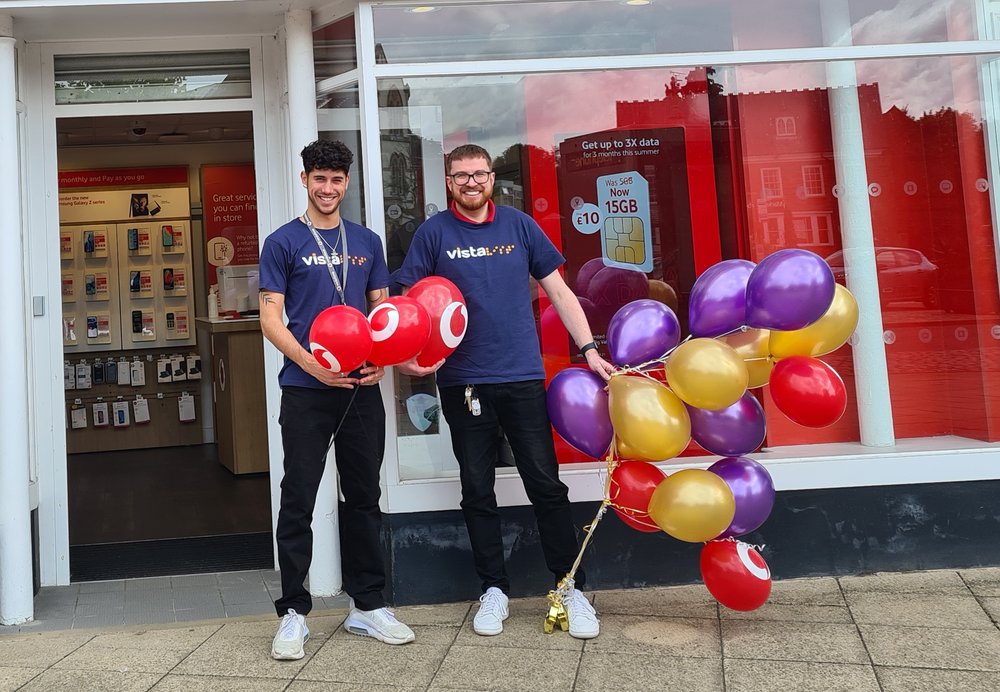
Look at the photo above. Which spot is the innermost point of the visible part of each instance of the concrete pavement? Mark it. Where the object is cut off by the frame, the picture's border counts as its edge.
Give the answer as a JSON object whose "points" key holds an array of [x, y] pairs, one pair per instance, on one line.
{"points": [[896, 631]]}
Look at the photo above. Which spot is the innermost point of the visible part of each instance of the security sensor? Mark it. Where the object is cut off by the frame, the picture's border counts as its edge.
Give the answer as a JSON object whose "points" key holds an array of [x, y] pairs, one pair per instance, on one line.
{"points": [[138, 128]]}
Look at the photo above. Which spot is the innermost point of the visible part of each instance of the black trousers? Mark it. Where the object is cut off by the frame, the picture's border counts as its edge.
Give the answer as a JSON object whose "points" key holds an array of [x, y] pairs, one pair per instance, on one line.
{"points": [[518, 407], [308, 419]]}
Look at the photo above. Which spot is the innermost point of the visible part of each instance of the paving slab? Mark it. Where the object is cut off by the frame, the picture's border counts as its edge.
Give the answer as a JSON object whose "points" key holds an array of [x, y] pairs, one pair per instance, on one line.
{"points": [[817, 591], [793, 641], [992, 607], [781, 676], [680, 637], [681, 601], [102, 586], [931, 680], [918, 610], [938, 582], [217, 683], [449, 614], [363, 660], [641, 673], [505, 670], [311, 686], [174, 638], [38, 650], [923, 647], [92, 681], [785, 612], [11, 677], [982, 581], [92, 656], [237, 657]]}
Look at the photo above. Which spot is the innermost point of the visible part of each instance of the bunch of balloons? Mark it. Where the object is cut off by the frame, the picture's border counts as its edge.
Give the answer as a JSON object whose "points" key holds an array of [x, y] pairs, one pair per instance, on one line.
{"points": [[751, 325], [428, 323]]}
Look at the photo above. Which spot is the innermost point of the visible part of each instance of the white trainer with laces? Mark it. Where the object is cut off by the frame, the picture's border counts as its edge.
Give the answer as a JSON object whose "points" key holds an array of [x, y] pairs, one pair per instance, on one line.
{"points": [[380, 624], [583, 622], [492, 612], [292, 635]]}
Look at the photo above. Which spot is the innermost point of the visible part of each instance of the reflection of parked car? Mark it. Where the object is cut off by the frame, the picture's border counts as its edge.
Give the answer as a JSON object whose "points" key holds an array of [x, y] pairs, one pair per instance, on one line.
{"points": [[904, 274]]}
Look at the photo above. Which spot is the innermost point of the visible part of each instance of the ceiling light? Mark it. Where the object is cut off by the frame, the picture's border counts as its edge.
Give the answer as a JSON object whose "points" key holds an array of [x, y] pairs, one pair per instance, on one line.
{"points": [[420, 9], [637, 3]]}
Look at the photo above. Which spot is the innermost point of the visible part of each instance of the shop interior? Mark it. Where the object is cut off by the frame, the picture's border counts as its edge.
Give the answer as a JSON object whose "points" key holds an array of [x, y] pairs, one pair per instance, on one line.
{"points": [[165, 415]]}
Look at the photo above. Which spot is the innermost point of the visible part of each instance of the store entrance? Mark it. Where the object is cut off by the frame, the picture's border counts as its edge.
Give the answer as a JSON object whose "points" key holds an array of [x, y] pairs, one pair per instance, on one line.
{"points": [[154, 211]]}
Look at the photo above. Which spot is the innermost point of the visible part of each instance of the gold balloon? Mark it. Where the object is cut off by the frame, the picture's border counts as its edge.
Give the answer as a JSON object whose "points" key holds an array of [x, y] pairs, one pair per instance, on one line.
{"points": [[663, 292], [826, 334], [624, 451], [707, 373], [693, 505], [752, 346], [649, 420]]}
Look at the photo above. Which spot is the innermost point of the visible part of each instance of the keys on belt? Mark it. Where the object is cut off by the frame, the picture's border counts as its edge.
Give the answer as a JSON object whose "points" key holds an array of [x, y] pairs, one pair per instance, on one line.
{"points": [[472, 401]]}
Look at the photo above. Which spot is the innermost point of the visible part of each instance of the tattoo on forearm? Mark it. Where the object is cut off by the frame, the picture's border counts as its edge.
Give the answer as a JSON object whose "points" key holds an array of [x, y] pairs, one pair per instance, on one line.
{"points": [[266, 297]]}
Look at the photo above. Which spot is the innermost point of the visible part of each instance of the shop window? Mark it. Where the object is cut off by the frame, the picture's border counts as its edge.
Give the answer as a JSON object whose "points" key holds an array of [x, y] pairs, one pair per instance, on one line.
{"points": [[924, 178], [335, 49], [497, 31], [115, 78]]}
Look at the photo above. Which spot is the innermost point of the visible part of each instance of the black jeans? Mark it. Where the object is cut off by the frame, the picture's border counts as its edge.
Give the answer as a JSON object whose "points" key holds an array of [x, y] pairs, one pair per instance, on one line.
{"points": [[308, 419], [519, 407]]}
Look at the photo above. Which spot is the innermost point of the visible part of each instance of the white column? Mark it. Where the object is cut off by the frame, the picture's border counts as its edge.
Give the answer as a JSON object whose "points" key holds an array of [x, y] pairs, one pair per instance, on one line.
{"points": [[324, 576], [870, 372], [15, 525]]}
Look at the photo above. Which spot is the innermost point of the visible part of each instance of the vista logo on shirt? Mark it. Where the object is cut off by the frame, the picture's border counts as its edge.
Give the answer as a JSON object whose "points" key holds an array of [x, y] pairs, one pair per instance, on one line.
{"points": [[314, 259], [467, 252]]}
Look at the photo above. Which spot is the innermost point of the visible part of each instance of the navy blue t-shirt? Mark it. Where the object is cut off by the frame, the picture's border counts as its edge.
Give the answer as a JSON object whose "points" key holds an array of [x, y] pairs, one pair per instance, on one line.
{"points": [[291, 264], [491, 264]]}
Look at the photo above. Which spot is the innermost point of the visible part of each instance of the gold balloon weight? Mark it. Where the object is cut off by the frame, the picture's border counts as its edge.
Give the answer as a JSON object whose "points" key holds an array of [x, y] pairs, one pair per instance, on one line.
{"points": [[557, 611]]}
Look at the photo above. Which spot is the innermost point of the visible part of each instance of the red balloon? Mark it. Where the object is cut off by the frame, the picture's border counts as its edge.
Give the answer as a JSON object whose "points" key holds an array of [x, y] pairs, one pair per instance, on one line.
{"points": [[449, 317], [400, 329], [632, 484], [735, 574], [340, 338], [808, 391]]}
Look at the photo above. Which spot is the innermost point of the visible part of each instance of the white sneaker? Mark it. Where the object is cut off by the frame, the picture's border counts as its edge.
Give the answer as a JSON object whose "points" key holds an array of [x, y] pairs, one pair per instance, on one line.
{"points": [[583, 622], [292, 634], [492, 612], [380, 624]]}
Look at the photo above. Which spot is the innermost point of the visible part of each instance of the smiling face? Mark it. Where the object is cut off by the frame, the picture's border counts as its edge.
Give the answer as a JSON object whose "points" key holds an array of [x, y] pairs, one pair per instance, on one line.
{"points": [[471, 197], [326, 189]]}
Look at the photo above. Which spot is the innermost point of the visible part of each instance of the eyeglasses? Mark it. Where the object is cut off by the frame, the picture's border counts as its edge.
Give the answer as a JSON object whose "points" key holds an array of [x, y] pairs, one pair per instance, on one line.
{"points": [[463, 178]]}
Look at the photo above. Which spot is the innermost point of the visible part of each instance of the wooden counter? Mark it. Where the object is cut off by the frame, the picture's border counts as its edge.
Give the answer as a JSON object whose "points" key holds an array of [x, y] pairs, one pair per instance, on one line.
{"points": [[238, 389]]}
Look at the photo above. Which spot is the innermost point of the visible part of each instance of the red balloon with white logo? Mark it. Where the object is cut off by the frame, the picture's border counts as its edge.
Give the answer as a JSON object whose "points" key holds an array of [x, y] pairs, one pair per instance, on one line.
{"points": [[736, 574], [400, 330], [449, 317], [340, 338]]}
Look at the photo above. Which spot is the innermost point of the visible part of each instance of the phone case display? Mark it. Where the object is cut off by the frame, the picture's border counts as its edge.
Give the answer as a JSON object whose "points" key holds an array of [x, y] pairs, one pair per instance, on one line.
{"points": [[157, 307], [126, 285], [90, 314]]}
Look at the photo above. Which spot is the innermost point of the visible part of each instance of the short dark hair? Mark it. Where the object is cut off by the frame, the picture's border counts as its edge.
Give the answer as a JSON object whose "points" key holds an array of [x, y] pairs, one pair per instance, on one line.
{"points": [[327, 155], [469, 151]]}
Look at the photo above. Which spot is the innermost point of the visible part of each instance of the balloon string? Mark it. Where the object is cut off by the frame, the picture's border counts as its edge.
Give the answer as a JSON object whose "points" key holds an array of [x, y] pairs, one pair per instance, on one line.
{"points": [[758, 547]]}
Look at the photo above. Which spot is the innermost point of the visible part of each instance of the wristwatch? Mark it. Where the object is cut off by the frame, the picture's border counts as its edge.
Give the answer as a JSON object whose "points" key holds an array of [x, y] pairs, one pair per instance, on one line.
{"points": [[587, 347]]}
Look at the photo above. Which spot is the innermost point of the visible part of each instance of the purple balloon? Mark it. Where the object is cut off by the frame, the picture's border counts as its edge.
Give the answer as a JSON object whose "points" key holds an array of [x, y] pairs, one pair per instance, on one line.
{"points": [[752, 489], [717, 304], [789, 289], [732, 431], [641, 331], [613, 287], [583, 277], [578, 409]]}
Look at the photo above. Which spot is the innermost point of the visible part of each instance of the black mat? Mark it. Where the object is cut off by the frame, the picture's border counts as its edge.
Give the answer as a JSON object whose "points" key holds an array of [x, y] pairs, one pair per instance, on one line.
{"points": [[170, 557]]}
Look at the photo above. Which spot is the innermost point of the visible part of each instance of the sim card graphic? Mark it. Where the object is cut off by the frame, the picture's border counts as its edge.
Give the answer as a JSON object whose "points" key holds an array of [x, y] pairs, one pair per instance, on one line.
{"points": [[626, 234]]}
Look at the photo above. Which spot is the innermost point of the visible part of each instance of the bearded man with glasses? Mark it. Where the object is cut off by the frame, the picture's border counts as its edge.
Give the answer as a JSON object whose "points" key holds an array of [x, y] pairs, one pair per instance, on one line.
{"points": [[495, 378]]}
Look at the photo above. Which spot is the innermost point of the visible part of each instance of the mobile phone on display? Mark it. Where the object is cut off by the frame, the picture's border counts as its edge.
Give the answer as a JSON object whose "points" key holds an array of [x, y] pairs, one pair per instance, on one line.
{"points": [[98, 372], [168, 279], [90, 284], [133, 281], [168, 235], [170, 320], [88, 241], [137, 321], [111, 372], [91, 327], [133, 239]]}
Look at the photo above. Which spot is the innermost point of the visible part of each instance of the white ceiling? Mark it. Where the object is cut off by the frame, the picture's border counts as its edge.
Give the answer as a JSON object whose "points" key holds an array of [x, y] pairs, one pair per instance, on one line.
{"points": [[182, 128]]}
